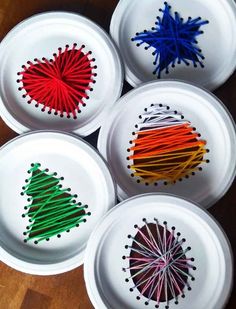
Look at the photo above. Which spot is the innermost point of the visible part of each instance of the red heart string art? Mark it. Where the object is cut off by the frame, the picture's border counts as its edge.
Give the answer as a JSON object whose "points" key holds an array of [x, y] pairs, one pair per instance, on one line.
{"points": [[59, 84]]}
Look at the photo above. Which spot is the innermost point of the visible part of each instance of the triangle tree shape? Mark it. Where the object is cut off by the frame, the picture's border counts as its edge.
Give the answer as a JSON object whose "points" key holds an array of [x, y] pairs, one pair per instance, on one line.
{"points": [[52, 210]]}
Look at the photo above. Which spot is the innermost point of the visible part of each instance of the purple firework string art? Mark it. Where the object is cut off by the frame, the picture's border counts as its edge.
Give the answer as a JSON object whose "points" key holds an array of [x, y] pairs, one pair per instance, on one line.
{"points": [[174, 41], [158, 264]]}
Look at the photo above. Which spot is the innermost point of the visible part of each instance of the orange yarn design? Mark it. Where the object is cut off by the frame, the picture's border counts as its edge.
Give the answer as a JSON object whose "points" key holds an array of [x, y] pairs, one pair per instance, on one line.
{"points": [[166, 147]]}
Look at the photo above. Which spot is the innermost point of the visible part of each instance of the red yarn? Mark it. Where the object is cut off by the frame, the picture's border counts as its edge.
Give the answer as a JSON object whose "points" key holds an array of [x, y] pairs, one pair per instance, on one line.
{"points": [[59, 84]]}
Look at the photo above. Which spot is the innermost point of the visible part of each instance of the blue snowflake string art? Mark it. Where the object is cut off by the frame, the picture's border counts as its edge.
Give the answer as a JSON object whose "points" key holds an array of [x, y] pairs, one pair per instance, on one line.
{"points": [[174, 41]]}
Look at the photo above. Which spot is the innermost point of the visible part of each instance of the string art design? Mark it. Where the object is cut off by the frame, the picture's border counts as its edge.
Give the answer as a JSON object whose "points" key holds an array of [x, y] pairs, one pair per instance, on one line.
{"points": [[59, 84], [158, 264], [173, 40], [52, 210], [166, 147]]}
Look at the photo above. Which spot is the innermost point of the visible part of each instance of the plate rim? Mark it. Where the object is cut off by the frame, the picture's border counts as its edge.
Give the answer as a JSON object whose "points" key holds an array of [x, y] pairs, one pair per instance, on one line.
{"points": [[18, 126], [197, 209], [103, 133], [78, 259], [131, 78]]}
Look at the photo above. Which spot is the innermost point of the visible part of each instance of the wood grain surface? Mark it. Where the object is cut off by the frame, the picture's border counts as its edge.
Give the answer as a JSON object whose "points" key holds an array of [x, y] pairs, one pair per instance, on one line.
{"points": [[18, 290]]}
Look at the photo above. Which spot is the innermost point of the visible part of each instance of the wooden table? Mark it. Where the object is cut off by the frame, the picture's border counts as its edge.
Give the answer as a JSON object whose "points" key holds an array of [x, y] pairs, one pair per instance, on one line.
{"points": [[18, 290]]}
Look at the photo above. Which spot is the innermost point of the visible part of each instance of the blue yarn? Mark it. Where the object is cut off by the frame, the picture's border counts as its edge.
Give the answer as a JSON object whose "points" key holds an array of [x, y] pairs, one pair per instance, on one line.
{"points": [[174, 41]]}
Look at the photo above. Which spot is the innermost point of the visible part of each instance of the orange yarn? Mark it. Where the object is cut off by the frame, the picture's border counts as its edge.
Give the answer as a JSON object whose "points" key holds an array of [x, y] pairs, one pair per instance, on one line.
{"points": [[166, 153]]}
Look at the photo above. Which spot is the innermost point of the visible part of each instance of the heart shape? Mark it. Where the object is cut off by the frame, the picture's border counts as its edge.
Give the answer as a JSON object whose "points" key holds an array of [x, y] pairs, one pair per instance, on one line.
{"points": [[158, 263], [59, 84], [166, 147]]}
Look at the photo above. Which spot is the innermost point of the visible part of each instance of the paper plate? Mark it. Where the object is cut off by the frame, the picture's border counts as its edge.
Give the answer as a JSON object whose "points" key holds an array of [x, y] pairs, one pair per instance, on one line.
{"points": [[41, 36], [206, 183], [131, 17], [80, 166], [185, 230]]}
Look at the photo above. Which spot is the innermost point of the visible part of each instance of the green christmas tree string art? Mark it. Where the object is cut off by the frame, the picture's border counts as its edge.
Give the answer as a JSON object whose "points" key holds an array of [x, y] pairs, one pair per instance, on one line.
{"points": [[52, 209]]}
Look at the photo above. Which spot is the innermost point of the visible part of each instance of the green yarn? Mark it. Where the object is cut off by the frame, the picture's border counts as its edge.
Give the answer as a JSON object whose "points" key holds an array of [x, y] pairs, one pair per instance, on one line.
{"points": [[52, 210]]}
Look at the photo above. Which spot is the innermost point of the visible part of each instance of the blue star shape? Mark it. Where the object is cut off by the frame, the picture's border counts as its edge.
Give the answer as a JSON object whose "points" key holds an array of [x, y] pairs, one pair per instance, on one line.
{"points": [[173, 40]]}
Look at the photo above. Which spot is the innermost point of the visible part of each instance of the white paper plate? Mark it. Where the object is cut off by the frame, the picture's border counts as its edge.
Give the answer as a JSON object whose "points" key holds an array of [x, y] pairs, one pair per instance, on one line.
{"points": [[205, 112], [218, 48], [106, 282], [41, 36], [84, 171]]}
